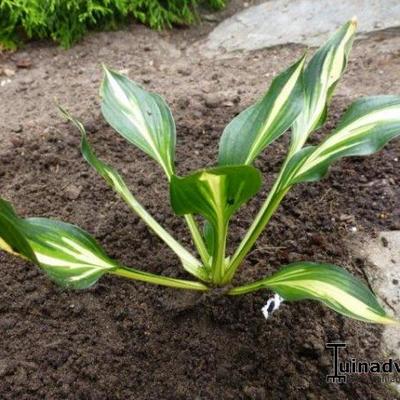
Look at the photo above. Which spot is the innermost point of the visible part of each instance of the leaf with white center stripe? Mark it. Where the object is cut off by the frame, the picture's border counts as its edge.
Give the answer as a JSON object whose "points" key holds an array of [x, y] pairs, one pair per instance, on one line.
{"points": [[215, 193], [141, 117], [320, 78], [116, 182], [69, 255], [255, 128], [329, 284], [365, 128]]}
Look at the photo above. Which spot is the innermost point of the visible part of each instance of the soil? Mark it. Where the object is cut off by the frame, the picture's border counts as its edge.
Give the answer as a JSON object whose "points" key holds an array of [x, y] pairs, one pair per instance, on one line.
{"points": [[127, 340]]}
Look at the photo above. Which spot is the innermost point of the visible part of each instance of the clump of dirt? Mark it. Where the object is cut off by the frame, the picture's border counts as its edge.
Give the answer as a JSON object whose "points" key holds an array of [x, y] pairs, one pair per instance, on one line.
{"points": [[128, 340]]}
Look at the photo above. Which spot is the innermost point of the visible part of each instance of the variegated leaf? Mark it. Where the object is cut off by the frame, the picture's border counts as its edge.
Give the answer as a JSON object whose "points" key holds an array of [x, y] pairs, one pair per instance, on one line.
{"points": [[320, 78], [214, 193], [145, 120], [70, 256], [116, 182], [11, 239], [142, 118], [365, 128], [255, 128], [329, 284]]}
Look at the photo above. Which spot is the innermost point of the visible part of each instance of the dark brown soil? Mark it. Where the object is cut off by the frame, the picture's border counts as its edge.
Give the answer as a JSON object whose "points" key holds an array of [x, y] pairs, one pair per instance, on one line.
{"points": [[127, 340]]}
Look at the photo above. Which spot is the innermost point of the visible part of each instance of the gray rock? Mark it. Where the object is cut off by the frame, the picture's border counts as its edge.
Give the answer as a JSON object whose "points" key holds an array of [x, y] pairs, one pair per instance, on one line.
{"points": [[383, 253], [308, 22]]}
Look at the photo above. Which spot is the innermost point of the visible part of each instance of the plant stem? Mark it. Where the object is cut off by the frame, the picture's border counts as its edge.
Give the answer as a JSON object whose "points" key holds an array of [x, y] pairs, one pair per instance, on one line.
{"points": [[218, 260], [270, 205], [196, 235], [135, 274], [189, 262], [198, 240], [250, 287], [264, 215]]}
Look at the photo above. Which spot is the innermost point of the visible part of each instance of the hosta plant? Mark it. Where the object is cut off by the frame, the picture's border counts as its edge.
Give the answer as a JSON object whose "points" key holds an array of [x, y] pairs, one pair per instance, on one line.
{"points": [[297, 100]]}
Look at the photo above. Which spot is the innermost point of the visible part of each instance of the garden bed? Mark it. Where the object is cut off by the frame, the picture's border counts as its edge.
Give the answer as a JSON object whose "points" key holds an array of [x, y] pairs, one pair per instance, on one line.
{"points": [[127, 340]]}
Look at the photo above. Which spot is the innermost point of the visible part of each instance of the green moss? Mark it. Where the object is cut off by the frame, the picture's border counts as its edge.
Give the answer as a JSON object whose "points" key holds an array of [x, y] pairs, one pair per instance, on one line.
{"points": [[66, 21]]}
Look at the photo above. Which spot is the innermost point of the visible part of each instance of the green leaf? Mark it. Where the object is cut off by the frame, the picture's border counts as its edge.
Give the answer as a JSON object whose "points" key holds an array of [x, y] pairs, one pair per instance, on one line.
{"points": [[365, 128], [214, 193], [70, 256], [255, 128], [11, 239], [116, 182], [329, 284], [142, 118], [320, 78]]}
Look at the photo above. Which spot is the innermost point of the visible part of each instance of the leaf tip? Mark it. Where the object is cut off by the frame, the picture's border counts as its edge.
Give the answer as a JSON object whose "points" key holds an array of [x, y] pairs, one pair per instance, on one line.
{"points": [[106, 76], [354, 21]]}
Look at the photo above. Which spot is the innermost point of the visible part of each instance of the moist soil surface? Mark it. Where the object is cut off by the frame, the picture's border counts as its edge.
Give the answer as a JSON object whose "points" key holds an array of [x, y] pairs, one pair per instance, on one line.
{"points": [[127, 340]]}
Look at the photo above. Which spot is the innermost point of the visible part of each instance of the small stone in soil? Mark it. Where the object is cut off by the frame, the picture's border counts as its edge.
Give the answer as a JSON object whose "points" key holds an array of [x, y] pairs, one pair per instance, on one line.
{"points": [[16, 128], [7, 72], [257, 393], [4, 369], [17, 141], [184, 71], [72, 192], [24, 62], [212, 100]]}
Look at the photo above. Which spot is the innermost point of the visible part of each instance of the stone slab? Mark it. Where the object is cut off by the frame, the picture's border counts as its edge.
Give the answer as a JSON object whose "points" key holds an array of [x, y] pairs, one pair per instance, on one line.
{"points": [[383, 254], [307, 22]]}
